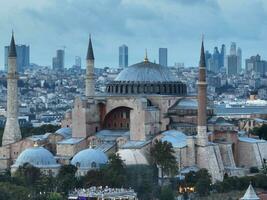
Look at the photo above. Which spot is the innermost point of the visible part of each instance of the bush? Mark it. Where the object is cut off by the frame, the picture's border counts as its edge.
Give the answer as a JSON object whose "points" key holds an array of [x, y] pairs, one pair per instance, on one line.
{"points": [[254, 170]]}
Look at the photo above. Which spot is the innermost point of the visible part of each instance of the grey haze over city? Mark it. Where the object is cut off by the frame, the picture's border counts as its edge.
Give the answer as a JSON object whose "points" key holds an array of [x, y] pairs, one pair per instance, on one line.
{"points": [[47, 25]]}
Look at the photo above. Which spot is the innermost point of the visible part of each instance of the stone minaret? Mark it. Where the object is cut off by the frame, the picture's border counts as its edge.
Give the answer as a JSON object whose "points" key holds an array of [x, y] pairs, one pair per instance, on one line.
{"points": [[202, 101], [12, 131], [90, 77]]}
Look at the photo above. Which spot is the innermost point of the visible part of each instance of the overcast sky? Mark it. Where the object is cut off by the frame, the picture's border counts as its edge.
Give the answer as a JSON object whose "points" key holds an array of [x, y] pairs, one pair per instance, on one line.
{"points": [[47, 25]]}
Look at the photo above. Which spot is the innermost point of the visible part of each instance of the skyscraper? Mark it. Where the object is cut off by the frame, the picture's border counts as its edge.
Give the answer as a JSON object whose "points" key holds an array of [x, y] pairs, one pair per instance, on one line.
{"points": [[234, 60], [163, 57], [232, 65], [216, 60], [239, 59], [222, 56], [58, 61], [233, 48], [78, 62], [23, 57], [123, 56]]}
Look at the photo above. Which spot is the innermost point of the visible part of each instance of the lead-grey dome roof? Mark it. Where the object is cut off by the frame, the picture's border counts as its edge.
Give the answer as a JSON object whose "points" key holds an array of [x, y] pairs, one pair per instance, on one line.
{"points": [[38, 157], [146, 71], [89, 158]]}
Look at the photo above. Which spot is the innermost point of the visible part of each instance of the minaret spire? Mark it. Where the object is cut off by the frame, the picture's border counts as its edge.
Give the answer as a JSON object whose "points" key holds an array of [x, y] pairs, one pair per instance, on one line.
{"points": [[90, 52], [12, 131], [12, 47], [202, 100], [90, 77]]}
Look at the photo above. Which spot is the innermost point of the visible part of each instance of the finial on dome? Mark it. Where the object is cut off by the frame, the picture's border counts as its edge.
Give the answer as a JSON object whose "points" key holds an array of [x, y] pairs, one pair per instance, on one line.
{"points": [[146, 59], [35, 144]]}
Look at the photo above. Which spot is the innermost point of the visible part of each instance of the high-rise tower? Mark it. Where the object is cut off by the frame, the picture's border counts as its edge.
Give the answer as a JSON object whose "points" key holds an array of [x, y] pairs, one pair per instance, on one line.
{"points": [[202, 101], [90, 77], [12, 131], [163, 57], [123, 56]]}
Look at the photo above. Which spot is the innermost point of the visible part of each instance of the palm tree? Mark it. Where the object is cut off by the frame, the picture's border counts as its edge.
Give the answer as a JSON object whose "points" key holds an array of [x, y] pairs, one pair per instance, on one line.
{"points": [[162, 155]]}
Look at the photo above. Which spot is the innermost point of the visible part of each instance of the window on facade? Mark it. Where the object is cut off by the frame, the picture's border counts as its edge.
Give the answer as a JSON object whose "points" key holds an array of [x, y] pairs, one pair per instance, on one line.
{"points": [[93, 165], [78, 164], [124, 115]]}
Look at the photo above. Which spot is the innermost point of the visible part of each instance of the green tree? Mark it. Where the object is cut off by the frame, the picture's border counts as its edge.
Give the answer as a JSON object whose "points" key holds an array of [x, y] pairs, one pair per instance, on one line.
{"points": [[54, 196], [261, 131], [166, 193], [203, 184], [115, 172], [27, 175], [11, 191], [94, 178], [162, 155], [141, 179], [66, 179]]}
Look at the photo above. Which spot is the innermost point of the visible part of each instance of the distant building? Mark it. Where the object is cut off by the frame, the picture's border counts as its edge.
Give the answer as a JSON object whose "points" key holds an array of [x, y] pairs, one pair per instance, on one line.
{"points": [[233, 48], [58, 61], [163, 57], [239, 60], [255, 64], [222, 56], [123, 56], [23, 57], [234, 60], [232, 65], [78, 62], [215, 61]]}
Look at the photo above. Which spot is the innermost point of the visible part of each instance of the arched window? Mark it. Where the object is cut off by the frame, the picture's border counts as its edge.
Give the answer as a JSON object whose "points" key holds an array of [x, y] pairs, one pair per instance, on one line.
{"points": [[93, 165], [78, 164]]}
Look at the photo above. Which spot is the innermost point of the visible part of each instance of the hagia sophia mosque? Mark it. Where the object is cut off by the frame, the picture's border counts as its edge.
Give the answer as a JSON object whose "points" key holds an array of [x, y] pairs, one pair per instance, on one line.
{"points": [[144, 103]]}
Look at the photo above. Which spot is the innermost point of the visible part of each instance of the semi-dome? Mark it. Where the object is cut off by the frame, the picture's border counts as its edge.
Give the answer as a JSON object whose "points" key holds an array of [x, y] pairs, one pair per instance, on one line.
{"points": [[146, 78], [146, 71], [89, 158], [36, 156], [132, 157]]}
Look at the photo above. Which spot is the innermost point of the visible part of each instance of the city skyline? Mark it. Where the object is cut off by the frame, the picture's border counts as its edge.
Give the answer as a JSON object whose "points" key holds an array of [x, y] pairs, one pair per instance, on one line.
{"points": [[47, 29]]}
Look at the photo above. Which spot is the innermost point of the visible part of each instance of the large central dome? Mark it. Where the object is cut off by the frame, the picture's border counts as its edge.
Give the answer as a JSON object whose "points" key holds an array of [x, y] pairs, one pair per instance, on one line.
{"points": [[146, 71], [146, 78]]}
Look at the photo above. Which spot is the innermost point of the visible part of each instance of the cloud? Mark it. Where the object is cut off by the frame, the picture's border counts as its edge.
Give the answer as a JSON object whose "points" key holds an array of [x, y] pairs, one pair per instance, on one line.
{"points": [[177, 24]]}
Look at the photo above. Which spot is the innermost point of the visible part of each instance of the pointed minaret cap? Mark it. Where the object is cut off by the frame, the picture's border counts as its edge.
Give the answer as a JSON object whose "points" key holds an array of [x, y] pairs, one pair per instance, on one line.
{"points": [[202, 62], [12, 47], [250, 194], [90, 52]]}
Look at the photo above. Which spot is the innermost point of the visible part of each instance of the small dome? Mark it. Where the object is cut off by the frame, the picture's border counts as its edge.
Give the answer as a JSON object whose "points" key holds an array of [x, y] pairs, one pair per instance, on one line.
{"points": [[176, 138], [89, 158], [146, 71], [132, 157], [65, 132], [36, 156]]}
